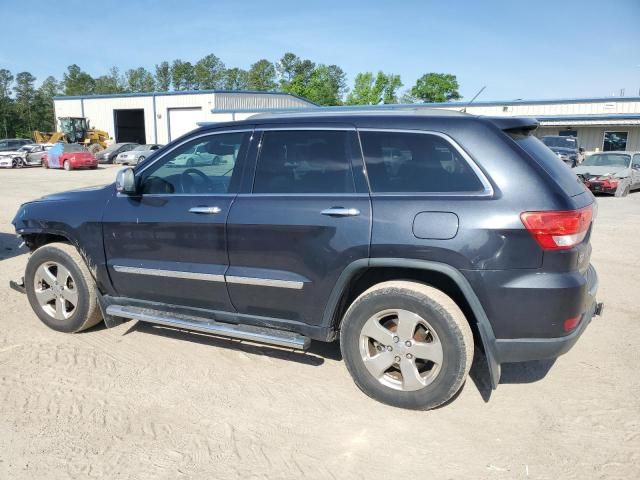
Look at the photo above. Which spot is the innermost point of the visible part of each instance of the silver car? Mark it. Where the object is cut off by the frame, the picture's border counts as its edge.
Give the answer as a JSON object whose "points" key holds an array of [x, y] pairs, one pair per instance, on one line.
{"points": [[26, 156], [138, 154], [616, 173]]}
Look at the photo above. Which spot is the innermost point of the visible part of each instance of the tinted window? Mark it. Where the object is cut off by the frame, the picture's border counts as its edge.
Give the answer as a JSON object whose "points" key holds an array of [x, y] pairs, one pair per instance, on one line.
{"points": [[614, 141], [305, 161], [203, 165], [550, 162], [74, 147], [415, 162]]}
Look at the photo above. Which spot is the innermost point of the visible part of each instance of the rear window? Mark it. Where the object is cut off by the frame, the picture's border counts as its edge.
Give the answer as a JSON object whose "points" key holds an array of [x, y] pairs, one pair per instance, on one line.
{"points": [[403, 162], [550, 162], [74, 147]]}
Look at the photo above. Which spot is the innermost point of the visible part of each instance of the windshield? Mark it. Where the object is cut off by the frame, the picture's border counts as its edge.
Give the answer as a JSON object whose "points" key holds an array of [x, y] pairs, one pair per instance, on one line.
{"points": [[607, 160], [562, 142], [73, 147], [143, 147], [114, 147]]}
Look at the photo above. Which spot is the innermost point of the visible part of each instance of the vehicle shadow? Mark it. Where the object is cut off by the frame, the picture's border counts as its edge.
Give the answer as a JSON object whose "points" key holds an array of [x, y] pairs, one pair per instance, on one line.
{"points": [[314, 356], [523, 372], [10, 246]]}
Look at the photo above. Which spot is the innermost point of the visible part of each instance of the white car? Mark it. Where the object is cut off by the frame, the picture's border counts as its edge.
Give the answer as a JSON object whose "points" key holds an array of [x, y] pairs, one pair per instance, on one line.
{"points": [[137, 155], [26, 156]]}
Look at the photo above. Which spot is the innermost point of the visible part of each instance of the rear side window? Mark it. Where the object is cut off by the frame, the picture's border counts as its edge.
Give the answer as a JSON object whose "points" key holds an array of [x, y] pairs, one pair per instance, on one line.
{"points": [[550, 162], [403, 162], [305, 161]]}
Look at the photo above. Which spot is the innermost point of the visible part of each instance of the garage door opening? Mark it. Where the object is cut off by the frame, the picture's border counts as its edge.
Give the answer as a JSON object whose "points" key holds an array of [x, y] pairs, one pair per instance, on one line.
{"points": [[129, 126], [182, 120]]}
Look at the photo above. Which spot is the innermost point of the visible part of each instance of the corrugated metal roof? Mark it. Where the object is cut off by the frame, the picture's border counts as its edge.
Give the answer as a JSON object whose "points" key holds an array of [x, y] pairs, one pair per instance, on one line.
{"points": [[185, 92], [538, 101]]}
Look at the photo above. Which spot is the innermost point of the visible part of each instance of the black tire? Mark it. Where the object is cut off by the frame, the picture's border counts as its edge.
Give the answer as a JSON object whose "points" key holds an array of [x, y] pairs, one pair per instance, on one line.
{"points": [[140, 159], [443, 316], [87, 312]]}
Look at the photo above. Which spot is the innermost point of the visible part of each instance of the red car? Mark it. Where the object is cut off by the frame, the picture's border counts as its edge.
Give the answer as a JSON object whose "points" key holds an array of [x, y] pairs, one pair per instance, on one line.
{"points": [[69, 156]]}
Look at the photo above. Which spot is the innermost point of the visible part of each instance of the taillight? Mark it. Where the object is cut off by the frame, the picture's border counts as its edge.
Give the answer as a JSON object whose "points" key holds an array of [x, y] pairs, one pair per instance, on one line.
{"points": [[558, 230]]}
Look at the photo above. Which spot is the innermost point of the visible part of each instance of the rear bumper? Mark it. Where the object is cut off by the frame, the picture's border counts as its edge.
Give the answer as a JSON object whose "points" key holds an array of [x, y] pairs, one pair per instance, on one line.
{"points": [[527, 349]]}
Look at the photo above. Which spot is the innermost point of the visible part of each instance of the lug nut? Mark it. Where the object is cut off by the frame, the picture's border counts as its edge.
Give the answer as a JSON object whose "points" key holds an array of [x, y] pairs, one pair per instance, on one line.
{"points": [[389, 348], [407, 343], [409, 356], [380, 348], [397, 359], [396, 339]]}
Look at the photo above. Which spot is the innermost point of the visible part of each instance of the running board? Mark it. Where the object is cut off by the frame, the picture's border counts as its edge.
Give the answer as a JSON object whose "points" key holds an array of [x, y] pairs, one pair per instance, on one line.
{"points": [[199, 324]]}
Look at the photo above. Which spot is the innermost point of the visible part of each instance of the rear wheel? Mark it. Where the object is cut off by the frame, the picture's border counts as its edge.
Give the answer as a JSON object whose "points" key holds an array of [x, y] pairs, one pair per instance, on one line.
{"points": [[407, 344], [60, 288]]}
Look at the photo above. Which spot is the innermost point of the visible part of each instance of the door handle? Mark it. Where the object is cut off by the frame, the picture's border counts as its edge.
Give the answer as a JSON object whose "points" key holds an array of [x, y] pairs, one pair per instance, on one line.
{"points": [[340, 212], [205, 210]]}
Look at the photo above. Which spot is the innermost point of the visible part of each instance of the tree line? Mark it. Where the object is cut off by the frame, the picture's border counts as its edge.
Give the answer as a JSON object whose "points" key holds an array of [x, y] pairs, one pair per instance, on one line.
{"points": [[24, 108]]}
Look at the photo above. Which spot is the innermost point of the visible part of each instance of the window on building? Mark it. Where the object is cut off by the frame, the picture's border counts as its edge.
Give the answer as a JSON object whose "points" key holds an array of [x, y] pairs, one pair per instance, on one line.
{"points": [[615, 141], [415, 162], [305, 161], [568, 133]]}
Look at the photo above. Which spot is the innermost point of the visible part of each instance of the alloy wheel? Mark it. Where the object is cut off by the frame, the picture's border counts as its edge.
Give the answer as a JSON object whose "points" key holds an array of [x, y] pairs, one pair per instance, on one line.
{"points": [[55, 290], [401, 350]]}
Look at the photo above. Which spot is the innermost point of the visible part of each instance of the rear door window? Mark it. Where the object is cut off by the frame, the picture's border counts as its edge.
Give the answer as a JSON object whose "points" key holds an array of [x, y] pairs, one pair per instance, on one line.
{"points": [[305, 161], [550, 162], [404, 162]]}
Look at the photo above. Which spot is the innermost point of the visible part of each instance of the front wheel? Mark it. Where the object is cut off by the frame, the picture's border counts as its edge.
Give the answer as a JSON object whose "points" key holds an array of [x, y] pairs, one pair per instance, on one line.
{"points": [[407, 345], [60, 288], [66, 165]]}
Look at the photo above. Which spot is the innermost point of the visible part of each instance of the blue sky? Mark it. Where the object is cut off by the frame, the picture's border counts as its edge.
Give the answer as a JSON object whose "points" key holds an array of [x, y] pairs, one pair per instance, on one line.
{"points": [[540, 49]]}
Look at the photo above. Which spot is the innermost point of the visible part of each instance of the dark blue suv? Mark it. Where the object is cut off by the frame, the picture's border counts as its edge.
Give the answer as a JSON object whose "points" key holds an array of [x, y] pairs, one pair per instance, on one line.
{"points": [[411, 237]]}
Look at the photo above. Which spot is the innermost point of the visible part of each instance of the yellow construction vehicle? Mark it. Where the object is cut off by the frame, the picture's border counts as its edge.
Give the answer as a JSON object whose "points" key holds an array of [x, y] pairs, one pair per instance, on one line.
{"points": [[75, 130]]}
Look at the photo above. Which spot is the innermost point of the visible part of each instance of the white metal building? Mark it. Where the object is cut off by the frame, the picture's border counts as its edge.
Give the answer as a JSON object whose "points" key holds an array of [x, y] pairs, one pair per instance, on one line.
{"points": [[161, 117], [609, 123]]}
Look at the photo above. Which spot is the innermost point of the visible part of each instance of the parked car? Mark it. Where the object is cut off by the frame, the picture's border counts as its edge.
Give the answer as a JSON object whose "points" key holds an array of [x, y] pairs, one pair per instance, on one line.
{"points": [[137, 155], [403, 236], [70, 156], [615, 173], [109, 154], [566, 148], [196, 156], [12, 144]]}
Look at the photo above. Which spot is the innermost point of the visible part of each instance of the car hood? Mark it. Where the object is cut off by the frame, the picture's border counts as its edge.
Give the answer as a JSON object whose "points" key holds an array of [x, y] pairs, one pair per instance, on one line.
{"points": [[10, 153], [563, 150], [77, 194], [611, 171]]}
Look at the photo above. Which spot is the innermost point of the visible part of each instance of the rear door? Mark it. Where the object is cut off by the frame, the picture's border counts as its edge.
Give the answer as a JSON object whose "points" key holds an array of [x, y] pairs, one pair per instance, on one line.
{"points": [[169, 243], [635, 171], [301, 221]]}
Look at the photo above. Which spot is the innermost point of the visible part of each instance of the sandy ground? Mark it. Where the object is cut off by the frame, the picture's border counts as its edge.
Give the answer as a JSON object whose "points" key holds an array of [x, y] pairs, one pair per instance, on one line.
{"points": [[146, 402]]}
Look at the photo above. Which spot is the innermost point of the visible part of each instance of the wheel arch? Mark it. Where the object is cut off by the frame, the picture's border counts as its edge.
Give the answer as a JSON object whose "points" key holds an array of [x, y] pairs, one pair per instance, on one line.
{"points": [[364, 273]]}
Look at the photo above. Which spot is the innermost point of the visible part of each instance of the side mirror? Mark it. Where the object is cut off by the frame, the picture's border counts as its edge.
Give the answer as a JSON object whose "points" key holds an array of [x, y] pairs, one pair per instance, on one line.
{"points": [[126, 181]]}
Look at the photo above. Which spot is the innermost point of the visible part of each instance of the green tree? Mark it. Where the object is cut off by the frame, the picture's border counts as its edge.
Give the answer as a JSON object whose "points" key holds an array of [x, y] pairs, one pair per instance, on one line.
{"points": [[182, 75], [77, 82], [25, 93], [139, 80], [436, 87], [235, 79], [326, 85], [294, 73], [163, 77], [209, 73], [43, 111], [262, 76], [370, 90], [7, 111], [110, 83]]}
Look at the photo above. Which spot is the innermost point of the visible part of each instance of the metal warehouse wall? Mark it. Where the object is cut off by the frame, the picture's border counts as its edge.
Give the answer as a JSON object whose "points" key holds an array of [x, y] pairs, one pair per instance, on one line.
{"points": [[247, 101], [591, 138]]}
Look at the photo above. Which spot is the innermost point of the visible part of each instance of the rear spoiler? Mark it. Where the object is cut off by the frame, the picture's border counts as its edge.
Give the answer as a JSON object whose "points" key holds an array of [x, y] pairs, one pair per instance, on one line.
{"points": [[515, 125]]}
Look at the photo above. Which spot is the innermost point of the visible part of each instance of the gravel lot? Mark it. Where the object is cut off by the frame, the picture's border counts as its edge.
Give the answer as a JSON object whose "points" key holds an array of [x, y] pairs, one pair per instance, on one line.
{"points": [[146, 402]]}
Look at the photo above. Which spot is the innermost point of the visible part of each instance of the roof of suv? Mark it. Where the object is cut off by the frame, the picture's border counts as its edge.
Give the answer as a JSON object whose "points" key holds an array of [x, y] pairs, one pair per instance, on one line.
{"points": [[407, 115]]}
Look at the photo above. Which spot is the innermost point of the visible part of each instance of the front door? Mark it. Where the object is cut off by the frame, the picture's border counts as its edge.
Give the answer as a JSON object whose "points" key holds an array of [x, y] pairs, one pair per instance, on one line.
{"points": [[635, 171], [169, 244], [297, 227]]}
